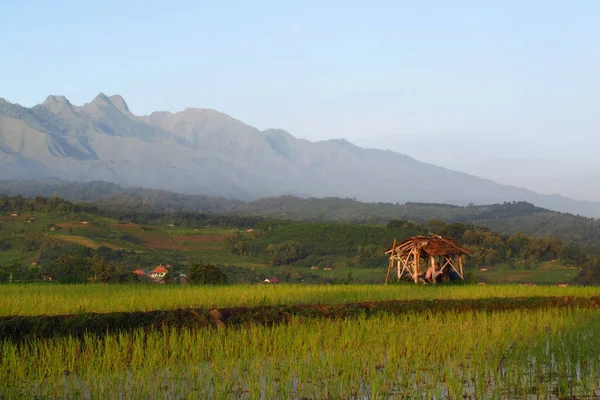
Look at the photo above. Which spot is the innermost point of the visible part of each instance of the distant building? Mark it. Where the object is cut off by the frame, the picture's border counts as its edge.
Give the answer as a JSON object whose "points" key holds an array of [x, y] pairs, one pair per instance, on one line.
{"points": [[158, 272], [46, 277], [139, 272], [271, 280]]}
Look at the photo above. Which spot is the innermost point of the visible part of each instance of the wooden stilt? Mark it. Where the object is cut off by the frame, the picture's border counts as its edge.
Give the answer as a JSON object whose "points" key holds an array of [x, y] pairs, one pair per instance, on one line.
{"points": [[387, 276], [417, 259]]}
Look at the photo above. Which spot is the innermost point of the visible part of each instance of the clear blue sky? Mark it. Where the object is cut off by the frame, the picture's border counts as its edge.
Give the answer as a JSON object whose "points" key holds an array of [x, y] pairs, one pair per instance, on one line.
{"points": [[508, 90]]}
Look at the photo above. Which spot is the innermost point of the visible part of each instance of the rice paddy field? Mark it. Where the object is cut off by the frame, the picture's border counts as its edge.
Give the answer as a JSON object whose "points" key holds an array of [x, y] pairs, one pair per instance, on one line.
{"points": [[548, 353], [541, 354], [53, 299]]}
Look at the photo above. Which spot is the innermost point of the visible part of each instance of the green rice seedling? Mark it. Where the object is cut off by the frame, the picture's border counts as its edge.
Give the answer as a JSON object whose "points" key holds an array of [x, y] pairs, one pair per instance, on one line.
{"points": [[50, 299], [510, 354]]}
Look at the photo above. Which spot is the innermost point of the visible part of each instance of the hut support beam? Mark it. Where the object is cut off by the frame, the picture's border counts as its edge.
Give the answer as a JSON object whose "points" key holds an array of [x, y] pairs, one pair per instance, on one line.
{"points": [[387, 276]]}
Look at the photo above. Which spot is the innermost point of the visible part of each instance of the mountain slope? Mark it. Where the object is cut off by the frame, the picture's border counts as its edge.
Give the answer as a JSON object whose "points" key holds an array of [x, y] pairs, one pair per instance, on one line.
{"points": [[202, 151]]}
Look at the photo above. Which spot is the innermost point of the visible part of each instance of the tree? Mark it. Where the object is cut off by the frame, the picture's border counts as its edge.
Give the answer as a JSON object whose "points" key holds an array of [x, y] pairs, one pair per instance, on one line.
{"points": [[207, 274], [101, 268], [436, 225], [70, 269], [286, 253]]}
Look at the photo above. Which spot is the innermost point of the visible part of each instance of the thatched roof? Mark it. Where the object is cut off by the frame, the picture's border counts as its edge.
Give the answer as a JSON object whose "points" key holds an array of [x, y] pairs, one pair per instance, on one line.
{"points": [[430, 246]]}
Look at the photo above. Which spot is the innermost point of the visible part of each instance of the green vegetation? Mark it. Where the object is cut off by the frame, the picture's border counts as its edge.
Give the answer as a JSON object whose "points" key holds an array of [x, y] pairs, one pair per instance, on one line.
{"points": [[506, 218], [49, 299], [34, 244], [207, 274], [217, 340], [451, 355]]}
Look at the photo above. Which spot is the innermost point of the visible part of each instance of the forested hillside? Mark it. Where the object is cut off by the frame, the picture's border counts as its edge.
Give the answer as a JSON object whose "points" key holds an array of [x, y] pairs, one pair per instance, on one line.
{"points": [[506, 218], [53, 236]]}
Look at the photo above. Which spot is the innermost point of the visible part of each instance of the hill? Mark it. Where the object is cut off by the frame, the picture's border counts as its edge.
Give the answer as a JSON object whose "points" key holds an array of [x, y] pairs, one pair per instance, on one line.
{"points": [[67, 240], [202, 151], [505, 218]]}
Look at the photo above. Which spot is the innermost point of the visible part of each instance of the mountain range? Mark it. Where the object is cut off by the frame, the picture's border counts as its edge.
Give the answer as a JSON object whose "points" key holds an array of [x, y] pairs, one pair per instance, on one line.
{"points": [[202, 151]]}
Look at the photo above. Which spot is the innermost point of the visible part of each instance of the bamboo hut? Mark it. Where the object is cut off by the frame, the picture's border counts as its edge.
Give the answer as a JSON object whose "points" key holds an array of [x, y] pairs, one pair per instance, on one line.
{"points": [[427, 259]]}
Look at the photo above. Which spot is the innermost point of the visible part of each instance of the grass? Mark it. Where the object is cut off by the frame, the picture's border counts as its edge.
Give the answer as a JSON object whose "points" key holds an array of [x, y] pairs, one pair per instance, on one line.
{"points": [[53, 299], [544, 273], [83, 241], [535, 354]]}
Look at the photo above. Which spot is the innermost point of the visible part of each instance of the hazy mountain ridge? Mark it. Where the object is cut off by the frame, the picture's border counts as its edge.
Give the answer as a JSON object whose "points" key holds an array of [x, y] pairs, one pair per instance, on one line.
{"points": [[200, 151]]}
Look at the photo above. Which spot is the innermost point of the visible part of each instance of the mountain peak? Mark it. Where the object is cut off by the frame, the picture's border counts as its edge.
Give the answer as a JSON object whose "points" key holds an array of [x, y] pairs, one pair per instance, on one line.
{"points": [[101, 99], [56, 100], [57, 104], [119, 102], [3, 100]]}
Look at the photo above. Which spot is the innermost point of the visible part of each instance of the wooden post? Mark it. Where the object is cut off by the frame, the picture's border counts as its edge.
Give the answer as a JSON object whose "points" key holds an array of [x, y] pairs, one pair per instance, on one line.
{"points": [[387, 276], [391, 261], [460, 265], [417, 259]]}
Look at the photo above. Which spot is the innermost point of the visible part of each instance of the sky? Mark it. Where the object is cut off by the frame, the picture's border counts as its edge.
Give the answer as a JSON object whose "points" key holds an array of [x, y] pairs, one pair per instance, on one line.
{"points": [[506, 90]]}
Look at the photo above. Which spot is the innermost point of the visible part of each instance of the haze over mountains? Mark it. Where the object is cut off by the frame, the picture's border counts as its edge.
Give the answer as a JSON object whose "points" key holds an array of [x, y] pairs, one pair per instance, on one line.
{"points": [[200, 151]]}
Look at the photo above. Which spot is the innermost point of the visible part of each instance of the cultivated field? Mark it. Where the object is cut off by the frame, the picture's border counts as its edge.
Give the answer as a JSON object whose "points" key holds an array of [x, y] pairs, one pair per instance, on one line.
{"points": [[547, 353], [484, 350], [52, 299]]}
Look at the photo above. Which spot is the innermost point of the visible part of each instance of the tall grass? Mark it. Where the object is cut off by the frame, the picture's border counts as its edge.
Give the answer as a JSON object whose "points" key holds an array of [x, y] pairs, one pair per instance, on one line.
{"points": [[50, 299], [536, 354]]}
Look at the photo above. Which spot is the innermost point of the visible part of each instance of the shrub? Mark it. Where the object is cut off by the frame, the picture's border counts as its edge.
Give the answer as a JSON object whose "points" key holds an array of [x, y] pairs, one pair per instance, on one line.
{"points": [[207, 274]]}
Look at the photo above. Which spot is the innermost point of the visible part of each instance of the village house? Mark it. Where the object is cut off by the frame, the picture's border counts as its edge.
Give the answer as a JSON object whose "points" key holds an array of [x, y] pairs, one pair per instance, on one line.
{"points": [[139, 272], [271, 280], [158, 272]]}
